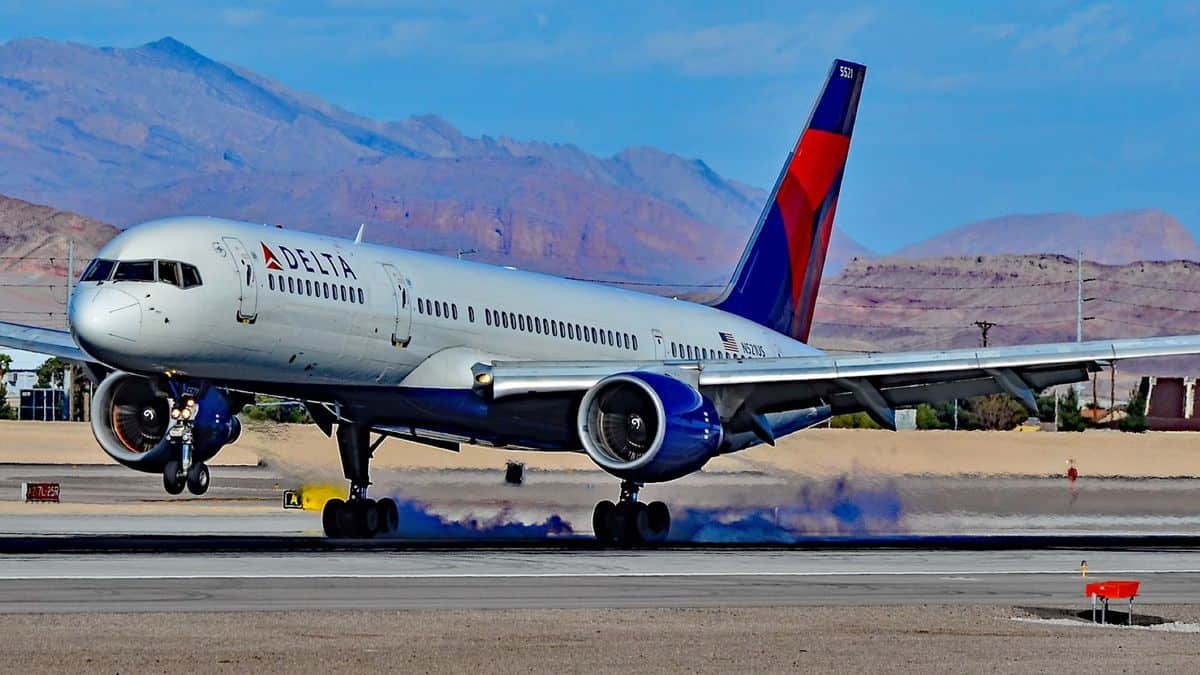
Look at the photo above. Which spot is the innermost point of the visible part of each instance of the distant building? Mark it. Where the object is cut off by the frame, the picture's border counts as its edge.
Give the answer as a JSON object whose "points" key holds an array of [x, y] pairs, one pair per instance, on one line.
{"points": [[1170, 403], [14, 381], [29, 401]]}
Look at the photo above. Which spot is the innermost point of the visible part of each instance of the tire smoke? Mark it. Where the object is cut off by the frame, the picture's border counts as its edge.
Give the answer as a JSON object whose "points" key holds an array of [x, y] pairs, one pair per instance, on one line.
{"points": [[838, 508], [418, 522]]}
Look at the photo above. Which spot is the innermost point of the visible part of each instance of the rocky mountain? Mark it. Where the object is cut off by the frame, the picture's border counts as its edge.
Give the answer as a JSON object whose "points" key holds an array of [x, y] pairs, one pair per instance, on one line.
{"points": [[34, 242], [132, 134], [1112, 238], [34, 239]]}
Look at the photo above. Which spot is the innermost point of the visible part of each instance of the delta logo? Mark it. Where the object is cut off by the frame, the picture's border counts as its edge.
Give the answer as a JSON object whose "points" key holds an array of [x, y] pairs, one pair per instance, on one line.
{"points": [[314, 262]]}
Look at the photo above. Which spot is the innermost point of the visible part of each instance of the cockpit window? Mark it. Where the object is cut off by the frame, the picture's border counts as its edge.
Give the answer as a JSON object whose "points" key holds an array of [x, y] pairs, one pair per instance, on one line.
{"points": [[99, 270], [138, 270], [168, 272], [191, 275]]}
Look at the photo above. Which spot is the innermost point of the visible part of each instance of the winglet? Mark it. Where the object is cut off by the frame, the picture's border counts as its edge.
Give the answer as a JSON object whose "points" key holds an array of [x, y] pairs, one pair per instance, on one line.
{"points": [[358, 237]]}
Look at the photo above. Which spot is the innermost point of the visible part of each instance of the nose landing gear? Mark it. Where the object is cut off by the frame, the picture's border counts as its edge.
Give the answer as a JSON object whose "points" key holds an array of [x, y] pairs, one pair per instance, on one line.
{"points": [[358, 516], [183, 472], [630, 522]]}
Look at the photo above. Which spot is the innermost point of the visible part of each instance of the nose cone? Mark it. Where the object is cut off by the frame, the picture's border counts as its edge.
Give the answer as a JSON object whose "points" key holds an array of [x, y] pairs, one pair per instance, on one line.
{"points": [[106, 323]]}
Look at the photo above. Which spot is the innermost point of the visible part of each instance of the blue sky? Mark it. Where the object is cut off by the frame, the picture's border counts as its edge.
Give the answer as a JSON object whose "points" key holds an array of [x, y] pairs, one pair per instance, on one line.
{"points": [[971, 110]]}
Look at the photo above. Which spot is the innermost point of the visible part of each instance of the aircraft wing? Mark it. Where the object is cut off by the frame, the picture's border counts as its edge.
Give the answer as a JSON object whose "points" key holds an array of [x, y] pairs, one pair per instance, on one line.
{"points": [[42, 340], [875, 383]]}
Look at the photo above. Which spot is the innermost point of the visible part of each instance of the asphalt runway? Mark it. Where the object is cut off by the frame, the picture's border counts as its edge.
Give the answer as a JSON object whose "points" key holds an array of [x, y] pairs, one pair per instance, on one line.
{"points": [[516, 578], [707, 507]]}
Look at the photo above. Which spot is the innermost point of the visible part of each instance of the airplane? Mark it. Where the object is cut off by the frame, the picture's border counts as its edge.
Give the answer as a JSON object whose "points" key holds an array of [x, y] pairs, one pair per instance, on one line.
{"points": [[183, 320]]}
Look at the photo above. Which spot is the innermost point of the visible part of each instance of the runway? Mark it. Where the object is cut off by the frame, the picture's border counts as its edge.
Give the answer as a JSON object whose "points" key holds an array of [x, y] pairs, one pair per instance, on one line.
{"points": [[547, 578]]}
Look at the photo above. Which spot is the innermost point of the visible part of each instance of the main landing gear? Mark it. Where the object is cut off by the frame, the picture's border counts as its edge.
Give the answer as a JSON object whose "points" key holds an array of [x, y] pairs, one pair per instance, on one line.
{"points": [[630, 522], [358, 516], [183, 472]]}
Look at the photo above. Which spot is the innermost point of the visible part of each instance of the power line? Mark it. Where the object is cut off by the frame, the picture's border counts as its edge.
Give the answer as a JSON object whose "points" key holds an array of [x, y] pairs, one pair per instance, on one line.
{"points": [[1149, 287], [923, 308], [1032, 284], [1151, 307]]}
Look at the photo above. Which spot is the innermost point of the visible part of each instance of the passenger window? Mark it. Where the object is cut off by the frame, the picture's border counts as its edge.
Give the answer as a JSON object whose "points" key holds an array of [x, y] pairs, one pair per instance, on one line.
{"points": [[673, 352], [437, 309], [270, 279], [504, 319], [487, 315], [325, 290], [168, 272], [307, 287], [593, 331], [99, 270], [291, 285], [142, 270], [554, 329], [611, 340], [571, 331], [521, 321], [454, 312], [635, 343], [562, 329], [361, 299], [470, 314]]}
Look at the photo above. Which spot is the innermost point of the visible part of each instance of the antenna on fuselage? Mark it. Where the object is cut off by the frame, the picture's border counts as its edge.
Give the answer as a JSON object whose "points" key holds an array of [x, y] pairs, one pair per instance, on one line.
{"points": [[358, 237]]}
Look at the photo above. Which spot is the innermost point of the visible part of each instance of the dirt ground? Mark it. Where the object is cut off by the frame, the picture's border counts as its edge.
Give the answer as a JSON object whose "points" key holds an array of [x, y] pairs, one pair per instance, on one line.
{"points": [[923, 639], [817, 452]]}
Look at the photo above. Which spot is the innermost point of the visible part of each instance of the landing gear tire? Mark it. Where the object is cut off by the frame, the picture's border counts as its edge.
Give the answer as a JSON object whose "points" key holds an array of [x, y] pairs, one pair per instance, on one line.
{"points": [[197, 479], [389, 516], [358, 518], [329, 517], [366, 517], [631, 523], [344, 522], [600, 526], [173, 482], [652, 522]]}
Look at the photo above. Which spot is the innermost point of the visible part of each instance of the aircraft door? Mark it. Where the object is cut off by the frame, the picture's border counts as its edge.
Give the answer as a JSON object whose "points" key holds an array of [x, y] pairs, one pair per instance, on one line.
{"points": [[402, 330], [660, 352], [247, 280]]}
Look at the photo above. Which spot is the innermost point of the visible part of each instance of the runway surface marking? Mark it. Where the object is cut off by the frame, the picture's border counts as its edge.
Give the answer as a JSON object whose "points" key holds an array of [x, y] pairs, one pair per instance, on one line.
{"points": [[947, 575]]}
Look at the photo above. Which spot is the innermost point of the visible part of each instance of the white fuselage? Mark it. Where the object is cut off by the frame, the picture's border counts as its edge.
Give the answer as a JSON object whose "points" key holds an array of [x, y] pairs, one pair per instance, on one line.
{"points": [[285, 320]]}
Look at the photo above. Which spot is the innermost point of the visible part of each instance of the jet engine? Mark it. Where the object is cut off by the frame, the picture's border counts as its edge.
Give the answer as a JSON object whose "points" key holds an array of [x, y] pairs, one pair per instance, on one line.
{"points": [[132, 422], [647, 427]]}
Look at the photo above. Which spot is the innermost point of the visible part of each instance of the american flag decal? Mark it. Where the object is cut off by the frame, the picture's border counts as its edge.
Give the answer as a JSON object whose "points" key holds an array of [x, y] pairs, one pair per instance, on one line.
{"points": [[727, 339]]}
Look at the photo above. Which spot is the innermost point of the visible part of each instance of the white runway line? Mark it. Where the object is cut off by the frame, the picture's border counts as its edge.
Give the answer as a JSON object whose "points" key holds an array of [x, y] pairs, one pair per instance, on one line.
{"points": [[572, 575]]}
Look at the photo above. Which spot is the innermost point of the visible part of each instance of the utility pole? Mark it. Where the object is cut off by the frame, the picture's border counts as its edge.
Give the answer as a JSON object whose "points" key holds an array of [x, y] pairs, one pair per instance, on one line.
{"points": [[1079, 299], [984, 327], [1112, 389], [1079, 296], [70, 268]]}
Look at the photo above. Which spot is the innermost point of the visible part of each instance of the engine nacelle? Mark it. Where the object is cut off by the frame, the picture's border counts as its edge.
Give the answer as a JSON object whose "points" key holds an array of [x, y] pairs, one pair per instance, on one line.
{"points": [[131, 419], [648, 427]]}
